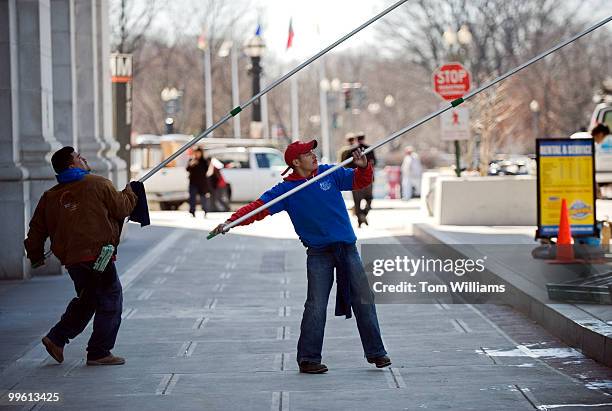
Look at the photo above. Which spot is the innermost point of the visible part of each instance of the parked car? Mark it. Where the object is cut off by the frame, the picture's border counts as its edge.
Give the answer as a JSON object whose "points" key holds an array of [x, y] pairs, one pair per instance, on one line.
{"points": [[249, 167], [512, 166], [249, 170]]}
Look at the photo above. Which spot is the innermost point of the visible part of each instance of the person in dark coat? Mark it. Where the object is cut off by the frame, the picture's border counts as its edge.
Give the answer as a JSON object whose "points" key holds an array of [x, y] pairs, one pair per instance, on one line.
{"points": [[358, 141], [198, 182]]}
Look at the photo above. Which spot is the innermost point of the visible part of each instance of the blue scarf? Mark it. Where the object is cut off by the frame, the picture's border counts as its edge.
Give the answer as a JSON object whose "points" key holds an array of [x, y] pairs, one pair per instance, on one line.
{"points": [[71, 174]]}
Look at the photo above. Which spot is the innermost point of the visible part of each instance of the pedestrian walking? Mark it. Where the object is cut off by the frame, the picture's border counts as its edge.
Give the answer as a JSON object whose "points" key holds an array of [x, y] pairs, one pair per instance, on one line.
{"points": [[219, 197], [412, 171], [199, 185], [83, 216], [362, 198], [330, 244]]}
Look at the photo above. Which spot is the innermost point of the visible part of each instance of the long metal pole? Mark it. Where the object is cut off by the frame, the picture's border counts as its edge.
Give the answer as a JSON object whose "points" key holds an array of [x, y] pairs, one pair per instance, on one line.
{"points": [[295, 120], [326, 154], [265, 118], [235, 88], [208, 87], [275, 83], [417, 123]]}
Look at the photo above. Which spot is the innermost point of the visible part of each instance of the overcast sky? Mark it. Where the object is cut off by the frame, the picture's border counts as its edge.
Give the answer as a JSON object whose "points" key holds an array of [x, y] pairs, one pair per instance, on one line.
{"points": [[333, 18], [338, 17]]}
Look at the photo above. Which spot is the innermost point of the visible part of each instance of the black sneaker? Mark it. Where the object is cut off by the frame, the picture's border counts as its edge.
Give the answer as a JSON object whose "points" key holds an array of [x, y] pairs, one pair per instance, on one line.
{"points": [[380, 362], [310, 367]]}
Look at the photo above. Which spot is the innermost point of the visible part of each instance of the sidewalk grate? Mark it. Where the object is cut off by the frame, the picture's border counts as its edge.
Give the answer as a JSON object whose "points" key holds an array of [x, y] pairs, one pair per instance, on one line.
{"points": [[167, 384], [280, 401], [394, 378], [187, 349], [283, 333], [200, 323]]}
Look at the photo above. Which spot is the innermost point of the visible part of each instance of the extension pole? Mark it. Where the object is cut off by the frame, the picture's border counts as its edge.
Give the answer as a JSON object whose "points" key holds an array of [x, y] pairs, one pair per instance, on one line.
{"points": [[278, 81], [417, 123]]}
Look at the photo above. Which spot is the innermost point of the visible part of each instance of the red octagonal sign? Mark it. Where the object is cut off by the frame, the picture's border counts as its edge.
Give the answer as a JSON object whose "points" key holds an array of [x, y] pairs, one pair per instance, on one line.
{"points": [[451, 81]]}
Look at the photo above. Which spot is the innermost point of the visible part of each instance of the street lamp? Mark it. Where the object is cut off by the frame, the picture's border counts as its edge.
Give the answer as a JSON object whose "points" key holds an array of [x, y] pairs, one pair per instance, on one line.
{"points": [[389, 101], [254, 48], [462, 38], [534, 106], [172, 105]]}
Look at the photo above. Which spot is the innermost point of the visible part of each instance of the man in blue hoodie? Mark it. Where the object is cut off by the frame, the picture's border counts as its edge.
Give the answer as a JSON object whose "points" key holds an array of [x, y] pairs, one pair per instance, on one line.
{"points": [[320, 219]]}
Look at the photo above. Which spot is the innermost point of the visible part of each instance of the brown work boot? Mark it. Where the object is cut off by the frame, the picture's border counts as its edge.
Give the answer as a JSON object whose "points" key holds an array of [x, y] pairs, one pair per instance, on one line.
{"points": [[309, 367], [108, 360], [54, 350], [380, 362]]}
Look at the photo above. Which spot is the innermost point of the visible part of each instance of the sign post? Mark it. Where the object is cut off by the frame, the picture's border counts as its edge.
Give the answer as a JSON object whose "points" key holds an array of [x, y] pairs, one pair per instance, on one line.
{"points": [[121, 72], [566, 170], [452, 81]]}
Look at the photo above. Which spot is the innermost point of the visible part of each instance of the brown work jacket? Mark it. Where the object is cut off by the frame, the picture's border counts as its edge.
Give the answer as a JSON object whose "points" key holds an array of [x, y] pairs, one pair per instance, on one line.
{"points": [[80, 218]]}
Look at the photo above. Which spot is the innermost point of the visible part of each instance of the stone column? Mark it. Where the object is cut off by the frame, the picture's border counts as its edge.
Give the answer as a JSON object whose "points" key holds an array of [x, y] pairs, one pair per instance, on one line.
{"points": [[64, 93], [105, 85], [26, 138], [93, 89], [88, 99], [14, 195]]}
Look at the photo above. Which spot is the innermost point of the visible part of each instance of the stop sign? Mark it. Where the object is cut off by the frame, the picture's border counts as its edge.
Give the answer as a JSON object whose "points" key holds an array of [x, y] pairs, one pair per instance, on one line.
{"points": [[451, 81]]}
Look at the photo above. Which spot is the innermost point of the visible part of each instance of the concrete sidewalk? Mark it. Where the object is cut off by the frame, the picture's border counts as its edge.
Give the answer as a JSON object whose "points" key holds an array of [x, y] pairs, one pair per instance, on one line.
{"points": [[214, 324], [585, 327]]}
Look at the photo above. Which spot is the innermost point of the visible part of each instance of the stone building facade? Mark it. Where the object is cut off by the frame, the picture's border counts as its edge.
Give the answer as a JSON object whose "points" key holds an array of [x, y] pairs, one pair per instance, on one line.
{"points": [[55, 90]]}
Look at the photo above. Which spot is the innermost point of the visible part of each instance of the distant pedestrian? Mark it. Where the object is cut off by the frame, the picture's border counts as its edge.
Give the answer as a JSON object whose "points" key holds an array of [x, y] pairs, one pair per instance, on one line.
{"points": [[600, 132], [83, 217], [362, 199], [219, 199], [411, 174], [321, 221], [198, 182]]}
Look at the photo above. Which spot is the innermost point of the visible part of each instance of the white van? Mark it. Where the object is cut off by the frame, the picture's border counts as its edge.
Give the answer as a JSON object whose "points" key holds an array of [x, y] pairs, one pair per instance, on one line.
{"points": [[250, 166], [603, 151]]}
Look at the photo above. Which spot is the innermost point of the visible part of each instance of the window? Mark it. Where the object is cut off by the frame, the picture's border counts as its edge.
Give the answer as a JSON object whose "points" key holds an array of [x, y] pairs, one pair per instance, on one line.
{"points": [[267, 160], [232, 159], [607, 118]]}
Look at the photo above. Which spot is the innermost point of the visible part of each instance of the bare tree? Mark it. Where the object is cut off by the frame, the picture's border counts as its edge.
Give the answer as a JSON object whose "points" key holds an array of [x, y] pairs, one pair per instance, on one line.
{"points": [[505, 33]]}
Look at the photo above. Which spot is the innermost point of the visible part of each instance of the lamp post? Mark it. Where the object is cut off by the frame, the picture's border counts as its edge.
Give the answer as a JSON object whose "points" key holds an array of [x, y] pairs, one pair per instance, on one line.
{"points": [[254, 48], [534, 106], [228, 49], [172, 105], [459, 39]]}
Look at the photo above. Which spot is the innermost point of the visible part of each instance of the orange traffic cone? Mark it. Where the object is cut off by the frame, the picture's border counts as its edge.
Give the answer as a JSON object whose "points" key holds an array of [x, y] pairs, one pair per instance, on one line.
{"points": [[565, 249]]}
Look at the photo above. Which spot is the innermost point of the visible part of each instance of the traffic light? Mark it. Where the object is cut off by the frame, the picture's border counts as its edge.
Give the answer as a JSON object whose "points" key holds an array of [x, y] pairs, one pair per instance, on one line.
{"points": [[347, 99]]}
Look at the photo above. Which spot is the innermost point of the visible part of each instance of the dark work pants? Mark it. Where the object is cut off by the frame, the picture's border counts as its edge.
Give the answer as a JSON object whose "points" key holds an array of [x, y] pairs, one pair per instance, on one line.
{"points": [[99, 295], [320, 265], [194, 192]]}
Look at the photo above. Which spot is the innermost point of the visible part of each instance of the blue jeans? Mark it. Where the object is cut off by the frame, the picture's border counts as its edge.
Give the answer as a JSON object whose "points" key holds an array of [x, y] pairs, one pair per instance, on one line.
{"points": [[194, 192], [320, 267], [98, 294]]}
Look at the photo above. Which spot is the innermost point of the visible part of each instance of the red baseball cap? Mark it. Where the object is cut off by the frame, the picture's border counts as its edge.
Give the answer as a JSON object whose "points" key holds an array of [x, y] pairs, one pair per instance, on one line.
{"points": [[295, 149]]}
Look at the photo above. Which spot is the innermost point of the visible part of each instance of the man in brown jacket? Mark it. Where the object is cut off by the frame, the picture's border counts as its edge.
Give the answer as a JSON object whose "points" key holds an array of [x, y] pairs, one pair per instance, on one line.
{"points": [[81, 215]]}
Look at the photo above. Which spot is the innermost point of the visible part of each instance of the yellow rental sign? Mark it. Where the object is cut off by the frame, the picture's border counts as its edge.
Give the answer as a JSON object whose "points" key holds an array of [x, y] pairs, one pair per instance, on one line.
{"points": [[566, 169]]}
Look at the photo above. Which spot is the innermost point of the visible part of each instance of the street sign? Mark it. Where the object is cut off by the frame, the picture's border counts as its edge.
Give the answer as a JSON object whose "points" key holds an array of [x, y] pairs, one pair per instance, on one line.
{"points": [[451, 81], [121, 77], [121, 67], [566, 171], [455, 123]]}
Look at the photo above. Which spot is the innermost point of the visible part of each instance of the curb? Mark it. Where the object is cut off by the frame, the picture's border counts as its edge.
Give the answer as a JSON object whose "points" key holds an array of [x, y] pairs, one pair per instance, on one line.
{"points": [[572, 325]]}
